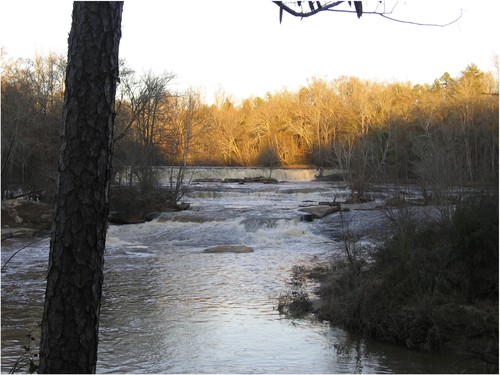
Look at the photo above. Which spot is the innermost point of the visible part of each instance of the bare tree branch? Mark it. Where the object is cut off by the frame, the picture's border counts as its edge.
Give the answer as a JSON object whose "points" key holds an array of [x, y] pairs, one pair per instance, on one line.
{"points": [[419, 23], [316, 7], [22, 248], [320, 7], [7, 157]]}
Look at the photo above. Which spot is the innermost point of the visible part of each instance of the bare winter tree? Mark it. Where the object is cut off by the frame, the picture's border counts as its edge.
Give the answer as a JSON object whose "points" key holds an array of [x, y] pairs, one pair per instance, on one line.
{"points": [[150, 109], [70, 322], [181, 136]]}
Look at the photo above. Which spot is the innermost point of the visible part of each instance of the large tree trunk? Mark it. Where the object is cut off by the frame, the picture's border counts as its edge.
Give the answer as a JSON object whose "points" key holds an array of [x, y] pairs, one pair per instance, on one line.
{"points": [[73, 297]]}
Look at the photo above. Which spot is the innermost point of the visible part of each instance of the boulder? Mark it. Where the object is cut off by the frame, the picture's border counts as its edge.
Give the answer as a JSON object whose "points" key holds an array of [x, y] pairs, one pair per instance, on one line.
{"points": [[18, 232], [208, 180], [263, 180], [307, 218], [123, 218], [260, 179], [184, 206], [234, 180], [151, 216], [318, 212], [6, 234], [229, 249], [26, 213], [332, 204]]}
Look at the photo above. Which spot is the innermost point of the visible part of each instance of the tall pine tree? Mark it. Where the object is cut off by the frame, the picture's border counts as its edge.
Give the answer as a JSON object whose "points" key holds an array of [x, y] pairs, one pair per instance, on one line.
{"points": [[70, 322]]}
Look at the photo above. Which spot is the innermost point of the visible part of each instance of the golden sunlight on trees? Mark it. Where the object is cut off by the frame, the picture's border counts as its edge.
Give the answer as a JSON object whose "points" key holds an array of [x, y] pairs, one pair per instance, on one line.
{"points": [[440, 135], [443, 133], [230, 132]]}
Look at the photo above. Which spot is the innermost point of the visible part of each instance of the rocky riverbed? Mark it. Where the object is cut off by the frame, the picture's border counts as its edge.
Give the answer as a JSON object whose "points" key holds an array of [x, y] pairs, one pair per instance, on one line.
{"points": [[25, 218]]}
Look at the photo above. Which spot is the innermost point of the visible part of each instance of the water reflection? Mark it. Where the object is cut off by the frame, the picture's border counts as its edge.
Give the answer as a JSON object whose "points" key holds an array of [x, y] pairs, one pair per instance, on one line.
{"points": [[169, 308]]}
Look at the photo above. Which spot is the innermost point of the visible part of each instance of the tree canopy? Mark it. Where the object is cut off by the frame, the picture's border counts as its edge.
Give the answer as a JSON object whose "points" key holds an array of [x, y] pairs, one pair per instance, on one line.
{"points": [[400, 128]]}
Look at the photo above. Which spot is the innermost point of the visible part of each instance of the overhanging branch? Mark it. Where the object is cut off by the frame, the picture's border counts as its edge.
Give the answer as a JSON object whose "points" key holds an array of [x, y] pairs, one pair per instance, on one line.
{"points": [[317, 7], [420, 23], [314, 10]]}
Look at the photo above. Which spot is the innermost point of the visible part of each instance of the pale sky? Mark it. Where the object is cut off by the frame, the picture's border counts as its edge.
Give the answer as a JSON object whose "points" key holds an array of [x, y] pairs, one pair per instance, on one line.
{"points": [[240, 48]]}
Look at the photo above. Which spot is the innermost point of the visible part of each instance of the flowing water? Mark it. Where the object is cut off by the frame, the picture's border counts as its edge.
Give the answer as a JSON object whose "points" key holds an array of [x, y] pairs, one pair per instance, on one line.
{"points": [[170, 308]]}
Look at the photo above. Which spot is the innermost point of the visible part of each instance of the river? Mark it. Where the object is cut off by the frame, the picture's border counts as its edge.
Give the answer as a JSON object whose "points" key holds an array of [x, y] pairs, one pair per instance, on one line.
{"points": [[170, 308]]}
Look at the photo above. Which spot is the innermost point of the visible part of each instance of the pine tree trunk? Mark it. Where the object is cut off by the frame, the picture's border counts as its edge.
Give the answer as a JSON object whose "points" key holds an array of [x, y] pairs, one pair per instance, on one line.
{"points": [[70, 322]]}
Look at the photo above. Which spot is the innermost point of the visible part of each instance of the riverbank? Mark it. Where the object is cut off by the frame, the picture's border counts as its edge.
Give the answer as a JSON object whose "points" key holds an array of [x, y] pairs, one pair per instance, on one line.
{"points": [[28, 218], [429, 286], [25, 218]]}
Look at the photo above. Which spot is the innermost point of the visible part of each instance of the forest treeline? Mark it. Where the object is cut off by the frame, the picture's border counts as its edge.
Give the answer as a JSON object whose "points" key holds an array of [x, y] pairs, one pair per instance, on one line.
{"points": [[440, 133]]}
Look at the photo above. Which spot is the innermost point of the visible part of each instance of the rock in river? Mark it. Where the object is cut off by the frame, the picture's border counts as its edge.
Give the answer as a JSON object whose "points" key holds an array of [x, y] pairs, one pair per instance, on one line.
{"points": [[229, 249], [317, 212]]}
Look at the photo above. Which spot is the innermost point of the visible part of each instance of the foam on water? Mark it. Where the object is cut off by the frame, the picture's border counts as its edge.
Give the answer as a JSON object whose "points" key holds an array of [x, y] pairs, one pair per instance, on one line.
{"points": [[169, 308], [259, 233]]}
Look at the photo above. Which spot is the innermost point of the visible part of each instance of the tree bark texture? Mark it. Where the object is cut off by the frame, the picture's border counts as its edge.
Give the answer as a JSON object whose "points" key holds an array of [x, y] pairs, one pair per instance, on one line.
{"points": [[70, 322]]}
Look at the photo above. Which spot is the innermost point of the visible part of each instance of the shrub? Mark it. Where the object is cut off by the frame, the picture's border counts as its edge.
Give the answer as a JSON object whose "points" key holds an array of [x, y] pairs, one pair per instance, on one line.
{"points": [[129, 205], [474, 256], [430, 284]]}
